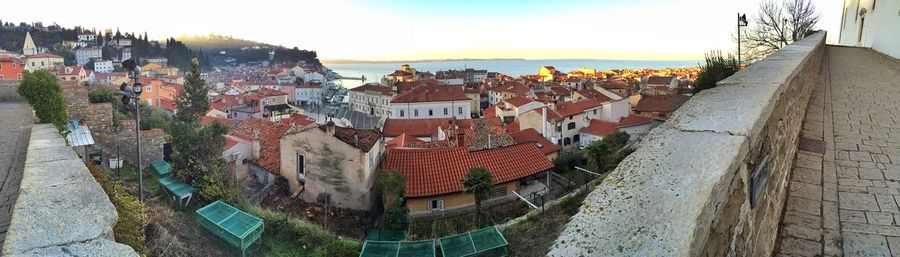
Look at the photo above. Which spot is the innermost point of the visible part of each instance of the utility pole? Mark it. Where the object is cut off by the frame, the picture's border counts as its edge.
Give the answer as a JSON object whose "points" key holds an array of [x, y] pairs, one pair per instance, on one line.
{"points": [[741, 22], [133, 95]]}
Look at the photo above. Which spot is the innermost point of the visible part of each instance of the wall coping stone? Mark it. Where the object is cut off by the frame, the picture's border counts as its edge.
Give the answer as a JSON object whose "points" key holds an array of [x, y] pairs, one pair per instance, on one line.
{"points": [[61, 209], [658, 201]]}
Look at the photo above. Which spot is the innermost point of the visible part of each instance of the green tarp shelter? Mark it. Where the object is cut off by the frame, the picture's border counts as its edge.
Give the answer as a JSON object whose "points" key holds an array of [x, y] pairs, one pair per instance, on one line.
{"points": [[237, 228], [483, 242], [177, 190], [398, 249], [161, 168]]}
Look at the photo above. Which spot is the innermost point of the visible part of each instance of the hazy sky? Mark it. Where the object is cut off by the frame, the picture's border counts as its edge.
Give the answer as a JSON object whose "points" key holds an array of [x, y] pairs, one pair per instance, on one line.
{"points": [[409, 29]]}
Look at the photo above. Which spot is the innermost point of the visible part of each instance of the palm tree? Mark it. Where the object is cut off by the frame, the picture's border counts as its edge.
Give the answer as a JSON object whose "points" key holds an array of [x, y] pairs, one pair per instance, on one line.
{"points": [[480, 182]]}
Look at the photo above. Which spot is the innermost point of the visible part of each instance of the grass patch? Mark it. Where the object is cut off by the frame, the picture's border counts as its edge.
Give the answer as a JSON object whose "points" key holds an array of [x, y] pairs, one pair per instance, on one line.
{"points": [[288, 236]]}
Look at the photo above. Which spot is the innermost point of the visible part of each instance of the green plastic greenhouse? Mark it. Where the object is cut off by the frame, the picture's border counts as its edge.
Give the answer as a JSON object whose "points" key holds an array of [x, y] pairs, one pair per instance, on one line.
{"points": [[385, 235], [483, 242], [237, 228], [398, 249], [161, 168]]}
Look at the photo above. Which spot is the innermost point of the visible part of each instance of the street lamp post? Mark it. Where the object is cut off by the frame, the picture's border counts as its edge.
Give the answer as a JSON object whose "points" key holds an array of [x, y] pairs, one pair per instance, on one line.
{"points": [[133, 95], [741, 22]]}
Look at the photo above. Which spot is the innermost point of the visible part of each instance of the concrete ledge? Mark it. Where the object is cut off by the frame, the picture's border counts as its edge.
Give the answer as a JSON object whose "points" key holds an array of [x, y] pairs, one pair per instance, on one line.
{"points": [[61, 209], [686, 190]]}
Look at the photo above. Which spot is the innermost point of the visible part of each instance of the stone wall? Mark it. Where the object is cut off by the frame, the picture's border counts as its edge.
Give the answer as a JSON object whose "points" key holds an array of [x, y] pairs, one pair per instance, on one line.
{"points": [[61, 209], [687, 189], [111, 132], [8, 90]]}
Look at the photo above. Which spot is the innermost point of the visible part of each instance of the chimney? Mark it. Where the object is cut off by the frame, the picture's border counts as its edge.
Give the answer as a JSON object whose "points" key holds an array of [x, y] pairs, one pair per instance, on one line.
{"points": [[544, 121], [255, 147], [329, 128], [460, 138]]}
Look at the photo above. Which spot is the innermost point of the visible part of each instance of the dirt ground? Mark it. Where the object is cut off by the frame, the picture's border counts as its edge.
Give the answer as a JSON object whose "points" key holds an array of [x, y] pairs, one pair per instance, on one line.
{"points": [[535, 236], [177, 233], [343, 222]]}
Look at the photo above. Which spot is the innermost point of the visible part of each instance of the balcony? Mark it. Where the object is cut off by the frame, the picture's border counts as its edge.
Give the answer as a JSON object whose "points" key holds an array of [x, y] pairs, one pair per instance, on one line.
{"points": [[798, 154]]}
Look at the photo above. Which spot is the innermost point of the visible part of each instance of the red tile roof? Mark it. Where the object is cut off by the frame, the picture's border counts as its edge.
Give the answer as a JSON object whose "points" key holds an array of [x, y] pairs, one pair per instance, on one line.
{"points": [[531, 135], [560, 90], [431, 93], [414, 127], [512, 87], [566, 109], [438, 171], [663, 103], [518, 101], [229, 142], [374, 87], [633, 120], [167, 104], [363, 139], [403, 140], [655, 80], [269, 141], [600, 128], [208, 120], [299, 120], [270, 92], [43, 55], [593, 94]]}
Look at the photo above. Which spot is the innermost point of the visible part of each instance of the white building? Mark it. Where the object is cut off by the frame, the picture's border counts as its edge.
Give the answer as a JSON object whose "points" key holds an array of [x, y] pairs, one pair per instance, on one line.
{"points": [[308, 94], [103, 66], [371, 99], [561, 123], [29, 48], [432, 101], [126, 54], [42, 61], [314, 77], [87, 38], [871, 23], [84, 55]]}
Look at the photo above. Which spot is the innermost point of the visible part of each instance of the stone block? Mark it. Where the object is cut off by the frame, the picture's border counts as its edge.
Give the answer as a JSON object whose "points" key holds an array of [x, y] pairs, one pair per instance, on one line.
{"points": [[857, 201], [858, 244]]}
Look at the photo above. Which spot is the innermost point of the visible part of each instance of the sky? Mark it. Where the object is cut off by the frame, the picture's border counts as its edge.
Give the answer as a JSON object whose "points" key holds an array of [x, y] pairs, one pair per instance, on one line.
{"points": [[427, 29]]}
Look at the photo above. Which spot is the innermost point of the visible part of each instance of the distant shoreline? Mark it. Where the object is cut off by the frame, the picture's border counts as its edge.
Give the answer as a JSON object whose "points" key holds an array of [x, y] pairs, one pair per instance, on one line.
{"points": [[417, 61]]}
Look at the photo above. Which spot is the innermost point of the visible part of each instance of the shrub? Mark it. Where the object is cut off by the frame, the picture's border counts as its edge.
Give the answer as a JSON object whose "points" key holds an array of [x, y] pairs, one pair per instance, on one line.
{"points": [[41, 90], [129, 229], [101, 95], [288, 236], [716, 68]]}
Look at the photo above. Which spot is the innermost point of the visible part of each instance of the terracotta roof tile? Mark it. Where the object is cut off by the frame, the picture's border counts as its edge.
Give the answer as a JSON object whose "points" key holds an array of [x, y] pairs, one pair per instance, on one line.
{"points": [[518, 101], [414, 127], [531, 135], [438, 171], [663, 103], [431, 93], [600, 128], [269, 141]]}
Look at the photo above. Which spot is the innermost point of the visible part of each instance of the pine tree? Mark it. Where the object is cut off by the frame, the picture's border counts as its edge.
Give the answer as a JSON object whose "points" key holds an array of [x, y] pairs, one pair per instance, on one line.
{"points": [[193, 101]]}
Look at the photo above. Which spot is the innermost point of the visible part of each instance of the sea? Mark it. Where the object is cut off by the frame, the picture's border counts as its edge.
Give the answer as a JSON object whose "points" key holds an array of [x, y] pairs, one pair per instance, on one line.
{"points": [[373, 72]]}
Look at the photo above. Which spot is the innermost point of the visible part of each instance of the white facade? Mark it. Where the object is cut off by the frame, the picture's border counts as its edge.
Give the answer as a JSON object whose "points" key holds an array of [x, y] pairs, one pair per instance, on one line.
{"points": [[614, 110], [103, 66], [871, 23], [315, 77], [126, 54], [370, 102], [87, 38], [308, 95], [452, 81], [33, 63], [460, 109], [84, 55]]}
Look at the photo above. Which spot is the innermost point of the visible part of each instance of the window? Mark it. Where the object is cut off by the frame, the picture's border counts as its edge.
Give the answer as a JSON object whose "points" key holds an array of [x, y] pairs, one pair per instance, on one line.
{"points": [[576, 138], [595, 111], [42, 63], [445, 111], [1, 66], [435, 205], [416, 113], [401, 113], [32, 63], [460, 110], [430, 112], [498, 192], [301, 168], [149, 89], [567, 141], [571, 125], [558, 128]]}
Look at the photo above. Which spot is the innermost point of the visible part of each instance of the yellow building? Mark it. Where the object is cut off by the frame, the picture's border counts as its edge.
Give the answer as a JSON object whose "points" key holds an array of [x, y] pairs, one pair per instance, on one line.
{"points": [[433, 174]]}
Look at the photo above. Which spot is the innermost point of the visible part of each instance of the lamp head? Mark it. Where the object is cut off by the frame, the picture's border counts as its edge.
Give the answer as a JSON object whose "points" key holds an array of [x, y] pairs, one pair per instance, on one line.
{"points": [[129, 64], [124, 87], [742, 20], [137, 88]]}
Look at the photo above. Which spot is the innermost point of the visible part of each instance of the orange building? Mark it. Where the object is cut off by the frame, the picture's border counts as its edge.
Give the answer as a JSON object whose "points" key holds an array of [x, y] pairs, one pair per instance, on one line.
{"points": [[10, 67]]}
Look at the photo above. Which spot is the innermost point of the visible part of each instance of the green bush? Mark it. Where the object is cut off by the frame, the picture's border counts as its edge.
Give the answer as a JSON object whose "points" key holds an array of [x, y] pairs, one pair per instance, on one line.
{"points": [[715, 69], [284, 235], [41, 90], [132, 212], [101, 95]]}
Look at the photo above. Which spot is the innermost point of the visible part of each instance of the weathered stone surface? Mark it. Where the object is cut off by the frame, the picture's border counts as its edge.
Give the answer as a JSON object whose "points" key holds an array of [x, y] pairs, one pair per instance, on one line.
{"points": [[631, 224], [856, 244], [61, 210]]}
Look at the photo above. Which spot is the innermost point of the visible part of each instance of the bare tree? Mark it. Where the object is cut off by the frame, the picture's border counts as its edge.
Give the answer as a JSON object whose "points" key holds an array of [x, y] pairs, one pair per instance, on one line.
{"points": [[776, 25]]}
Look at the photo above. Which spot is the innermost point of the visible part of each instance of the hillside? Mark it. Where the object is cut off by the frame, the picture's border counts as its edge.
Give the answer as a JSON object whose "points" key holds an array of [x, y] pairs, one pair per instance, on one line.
{"points": [[228, 50]]}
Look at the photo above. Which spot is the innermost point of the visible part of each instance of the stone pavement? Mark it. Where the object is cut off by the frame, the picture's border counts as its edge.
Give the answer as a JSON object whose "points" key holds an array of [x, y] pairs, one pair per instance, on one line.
{"points": [[844, 201], [15, 131]]}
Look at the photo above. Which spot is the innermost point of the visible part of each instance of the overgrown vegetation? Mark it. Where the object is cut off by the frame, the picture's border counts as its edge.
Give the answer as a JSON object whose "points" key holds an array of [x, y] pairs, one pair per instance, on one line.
{"points": [[101, 95], [132, 213], [716, 68], [287, 236], [605, 154], [197, 148], [395, 211], [41, 90]]}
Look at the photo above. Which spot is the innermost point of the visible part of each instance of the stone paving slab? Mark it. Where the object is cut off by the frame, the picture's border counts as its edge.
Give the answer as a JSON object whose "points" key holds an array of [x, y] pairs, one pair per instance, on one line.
{"points": [[15, 131], [856, 111]]}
